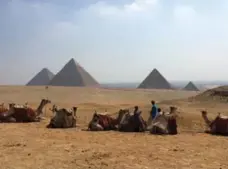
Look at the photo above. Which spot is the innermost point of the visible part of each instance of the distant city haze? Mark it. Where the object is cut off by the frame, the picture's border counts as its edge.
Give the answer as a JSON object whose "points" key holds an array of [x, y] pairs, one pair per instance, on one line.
{"points": [[119, 41]]}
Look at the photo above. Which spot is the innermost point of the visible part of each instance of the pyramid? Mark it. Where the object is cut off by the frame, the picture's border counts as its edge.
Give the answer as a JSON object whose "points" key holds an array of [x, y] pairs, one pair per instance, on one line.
{"points": [[72, 74], [155, 81], [42, 78], [190, 87]]}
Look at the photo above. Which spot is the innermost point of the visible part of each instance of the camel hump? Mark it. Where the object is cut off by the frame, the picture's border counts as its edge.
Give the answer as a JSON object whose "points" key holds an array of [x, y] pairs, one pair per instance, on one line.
{"points": [[223, 117]]}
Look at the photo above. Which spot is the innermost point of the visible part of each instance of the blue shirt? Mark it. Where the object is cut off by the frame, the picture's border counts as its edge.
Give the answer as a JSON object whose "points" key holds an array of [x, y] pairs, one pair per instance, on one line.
{"points": [[154, 111]]}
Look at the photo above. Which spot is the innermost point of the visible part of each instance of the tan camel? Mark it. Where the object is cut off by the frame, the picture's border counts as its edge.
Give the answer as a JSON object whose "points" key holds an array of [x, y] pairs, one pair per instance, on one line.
{"points": [[63, 118], [164, 123]]}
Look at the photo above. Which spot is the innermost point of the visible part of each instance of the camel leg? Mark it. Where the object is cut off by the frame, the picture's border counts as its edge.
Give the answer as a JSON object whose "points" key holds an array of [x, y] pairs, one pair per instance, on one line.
{"points": [[11, 120]]}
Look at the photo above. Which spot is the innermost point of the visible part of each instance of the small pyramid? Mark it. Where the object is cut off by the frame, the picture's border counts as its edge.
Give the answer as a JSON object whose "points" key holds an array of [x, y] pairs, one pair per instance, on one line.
{"points": [[190, 87], [72, 74], [155, 81], [42, 78]]}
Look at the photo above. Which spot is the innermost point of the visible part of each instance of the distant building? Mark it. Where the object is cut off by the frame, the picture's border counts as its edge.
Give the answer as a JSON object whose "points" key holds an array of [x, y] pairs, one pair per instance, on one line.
{"points": [[72, 74], [190, 87], [42, 78], [155, 81]]}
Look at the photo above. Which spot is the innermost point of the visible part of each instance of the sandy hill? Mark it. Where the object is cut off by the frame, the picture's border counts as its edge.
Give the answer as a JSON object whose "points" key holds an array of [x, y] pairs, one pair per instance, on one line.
{"points": [[155, 80], [72, 74], [41, 78], [219, 94]]}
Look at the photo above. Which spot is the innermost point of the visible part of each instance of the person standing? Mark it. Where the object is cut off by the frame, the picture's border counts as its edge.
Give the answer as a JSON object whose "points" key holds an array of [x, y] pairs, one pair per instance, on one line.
{"points": [[154, 109]]}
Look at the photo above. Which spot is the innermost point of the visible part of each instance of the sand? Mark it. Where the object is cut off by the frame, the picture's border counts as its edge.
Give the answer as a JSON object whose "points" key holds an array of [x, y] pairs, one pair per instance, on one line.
{"points": [[31, 145]]}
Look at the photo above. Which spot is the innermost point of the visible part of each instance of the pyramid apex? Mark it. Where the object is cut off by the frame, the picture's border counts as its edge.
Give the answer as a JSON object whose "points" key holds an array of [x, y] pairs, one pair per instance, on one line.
{"points": [[72, 60], [45, 69], [155, 69]]}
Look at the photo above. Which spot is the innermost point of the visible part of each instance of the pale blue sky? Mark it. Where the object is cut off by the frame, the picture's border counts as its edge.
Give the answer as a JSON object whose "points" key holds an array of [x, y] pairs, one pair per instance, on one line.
{"points": [[115, 40]]}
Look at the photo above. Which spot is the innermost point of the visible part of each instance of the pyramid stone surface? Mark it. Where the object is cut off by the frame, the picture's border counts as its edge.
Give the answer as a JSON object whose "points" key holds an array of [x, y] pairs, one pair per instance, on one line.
{"points": [[72, 74], [190, 87], [155, 81], [42, 78]]}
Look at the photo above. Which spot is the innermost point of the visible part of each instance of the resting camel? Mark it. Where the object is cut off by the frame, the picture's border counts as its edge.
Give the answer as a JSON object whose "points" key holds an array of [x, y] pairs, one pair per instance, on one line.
{"points": [[132, 123], [164, 123], [63, 118], [218, 126], [104, 122], [23, 114]]}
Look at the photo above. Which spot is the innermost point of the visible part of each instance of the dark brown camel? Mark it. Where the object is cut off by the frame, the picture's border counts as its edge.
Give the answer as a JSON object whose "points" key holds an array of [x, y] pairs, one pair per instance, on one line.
{"points": [[217, 126], [23, 114], [101, 122]]}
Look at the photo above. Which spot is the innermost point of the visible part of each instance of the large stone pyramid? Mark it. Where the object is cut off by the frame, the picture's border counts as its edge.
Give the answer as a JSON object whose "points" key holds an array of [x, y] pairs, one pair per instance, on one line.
{"points": [[190, 87], [155, 81], [42, 78], [72, 74]]}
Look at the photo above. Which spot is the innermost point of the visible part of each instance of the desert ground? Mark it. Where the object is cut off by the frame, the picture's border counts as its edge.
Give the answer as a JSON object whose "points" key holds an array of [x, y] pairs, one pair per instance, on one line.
{"points": [[31, 145]]}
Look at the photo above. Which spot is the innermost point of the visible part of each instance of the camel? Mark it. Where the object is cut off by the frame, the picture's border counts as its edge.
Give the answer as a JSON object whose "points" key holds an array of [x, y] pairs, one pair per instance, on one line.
{"points": [[23, 114], [63, 118], [164, 123], [218, 126], [104, 121], [132, 123]]}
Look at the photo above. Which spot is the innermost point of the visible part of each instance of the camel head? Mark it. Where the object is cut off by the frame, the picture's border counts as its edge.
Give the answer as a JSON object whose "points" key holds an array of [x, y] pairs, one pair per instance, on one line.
{"points": [[125, 117], [173, 109], [75, 111], [204, 115], [95, 117], [121, 114], [45, 101], [54, 108]]}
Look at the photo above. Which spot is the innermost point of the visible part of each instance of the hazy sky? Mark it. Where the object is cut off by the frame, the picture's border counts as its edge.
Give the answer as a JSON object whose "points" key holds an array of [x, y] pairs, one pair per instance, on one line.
{"points": [[115, 40]]}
